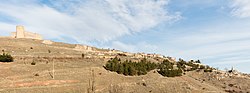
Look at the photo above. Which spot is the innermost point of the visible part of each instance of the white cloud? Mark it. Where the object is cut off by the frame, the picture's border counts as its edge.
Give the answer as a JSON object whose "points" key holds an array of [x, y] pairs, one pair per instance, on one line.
{"points": [[211, 40], [219, 52], [89, 20], [6, 29], [124, 47], [139, 47], [241, 8]]}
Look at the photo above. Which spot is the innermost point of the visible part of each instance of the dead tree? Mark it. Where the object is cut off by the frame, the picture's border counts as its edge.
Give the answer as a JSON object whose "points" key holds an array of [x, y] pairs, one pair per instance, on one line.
{"points": [[91, 87]]}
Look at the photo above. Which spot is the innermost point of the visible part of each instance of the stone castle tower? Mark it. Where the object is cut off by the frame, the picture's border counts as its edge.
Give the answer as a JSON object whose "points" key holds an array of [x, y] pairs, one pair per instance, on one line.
{"points": [[21, 33]]}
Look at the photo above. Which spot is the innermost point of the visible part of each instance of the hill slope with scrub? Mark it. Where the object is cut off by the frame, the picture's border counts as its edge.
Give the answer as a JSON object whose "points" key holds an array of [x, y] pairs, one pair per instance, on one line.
{"points": [[41, 66]]}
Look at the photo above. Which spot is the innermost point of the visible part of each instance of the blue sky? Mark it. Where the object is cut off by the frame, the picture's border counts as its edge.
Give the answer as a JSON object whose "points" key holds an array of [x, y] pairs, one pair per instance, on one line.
{"points": [[214, 31]]}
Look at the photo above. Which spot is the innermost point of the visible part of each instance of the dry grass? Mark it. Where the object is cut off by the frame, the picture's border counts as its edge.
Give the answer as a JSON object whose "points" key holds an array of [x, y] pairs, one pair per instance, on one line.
{"points": [[73, 74]]}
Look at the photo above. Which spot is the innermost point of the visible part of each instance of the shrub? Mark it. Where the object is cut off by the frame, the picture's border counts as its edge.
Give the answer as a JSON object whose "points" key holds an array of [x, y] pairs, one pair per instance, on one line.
{"points": [[208, 70], [36, 74], [166, 69], [129, 67], [143, 67], [182, 65], [202, 67], [6, 58], [170, 72], [49, 51], [33, 63]]}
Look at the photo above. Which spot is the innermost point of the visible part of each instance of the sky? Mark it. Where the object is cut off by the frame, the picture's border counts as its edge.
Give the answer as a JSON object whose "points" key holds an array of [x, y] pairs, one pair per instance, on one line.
{"points": [[215, 31]]}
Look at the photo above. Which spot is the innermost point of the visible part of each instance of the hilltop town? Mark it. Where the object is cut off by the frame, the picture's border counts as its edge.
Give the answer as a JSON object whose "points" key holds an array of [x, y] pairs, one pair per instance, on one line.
{"points": [[45, 66], [90, 52]]}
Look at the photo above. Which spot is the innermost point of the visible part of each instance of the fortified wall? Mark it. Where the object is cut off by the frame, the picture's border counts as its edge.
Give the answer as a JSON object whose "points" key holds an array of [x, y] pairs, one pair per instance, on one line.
{"points": [[21, 33], [83, 47]]}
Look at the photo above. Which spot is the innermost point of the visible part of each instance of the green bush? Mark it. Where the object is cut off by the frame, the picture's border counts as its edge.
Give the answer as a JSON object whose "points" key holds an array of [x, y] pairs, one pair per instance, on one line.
{"points": [[202, 67], [142, 67], [166, 69], [33, 63], [208, 70], [6, 58], [182, 65], [129, 67], [170, 72]]}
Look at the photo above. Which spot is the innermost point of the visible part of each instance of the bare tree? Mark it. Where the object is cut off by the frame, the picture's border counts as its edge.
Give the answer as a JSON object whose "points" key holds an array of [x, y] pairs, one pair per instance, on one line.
{"points": [[91, 87], [53, 70]]}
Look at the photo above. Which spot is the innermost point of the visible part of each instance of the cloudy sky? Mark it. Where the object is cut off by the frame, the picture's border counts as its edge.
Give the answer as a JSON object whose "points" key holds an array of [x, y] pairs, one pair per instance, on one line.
{"points": [[214, 31]]}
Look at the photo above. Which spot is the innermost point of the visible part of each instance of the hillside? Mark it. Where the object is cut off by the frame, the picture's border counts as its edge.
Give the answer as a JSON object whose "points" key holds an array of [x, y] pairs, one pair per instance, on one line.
{"points": [[79, 69]]}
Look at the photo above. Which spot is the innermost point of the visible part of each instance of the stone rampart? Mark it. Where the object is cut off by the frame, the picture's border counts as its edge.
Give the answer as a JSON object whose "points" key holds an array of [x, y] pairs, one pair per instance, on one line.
{"points": [[21, 33]]}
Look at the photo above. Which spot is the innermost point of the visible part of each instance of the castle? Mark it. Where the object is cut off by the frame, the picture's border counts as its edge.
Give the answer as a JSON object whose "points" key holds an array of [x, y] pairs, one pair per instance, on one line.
{"points": [[21, 33]]}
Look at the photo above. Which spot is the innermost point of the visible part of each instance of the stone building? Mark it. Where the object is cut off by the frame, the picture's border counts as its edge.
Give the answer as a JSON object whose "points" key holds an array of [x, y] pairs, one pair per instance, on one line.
{"points": [[21, 33], [83, 48]]}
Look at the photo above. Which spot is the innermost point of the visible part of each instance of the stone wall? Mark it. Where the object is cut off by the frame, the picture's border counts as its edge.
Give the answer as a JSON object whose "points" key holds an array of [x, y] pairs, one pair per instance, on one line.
{"points": [[32, 35], [48, 42], [83, 48], [21, 33]]}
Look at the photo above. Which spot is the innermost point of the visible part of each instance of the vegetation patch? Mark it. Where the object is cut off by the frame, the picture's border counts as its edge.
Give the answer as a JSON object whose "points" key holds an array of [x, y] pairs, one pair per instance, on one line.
{"points": [[33, 63], [129, 67], [165, 68], [6, 58]]}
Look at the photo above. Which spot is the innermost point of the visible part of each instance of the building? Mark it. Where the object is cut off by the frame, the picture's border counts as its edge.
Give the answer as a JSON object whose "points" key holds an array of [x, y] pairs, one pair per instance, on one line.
{"points": [[83, 48], [21, 33]]}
